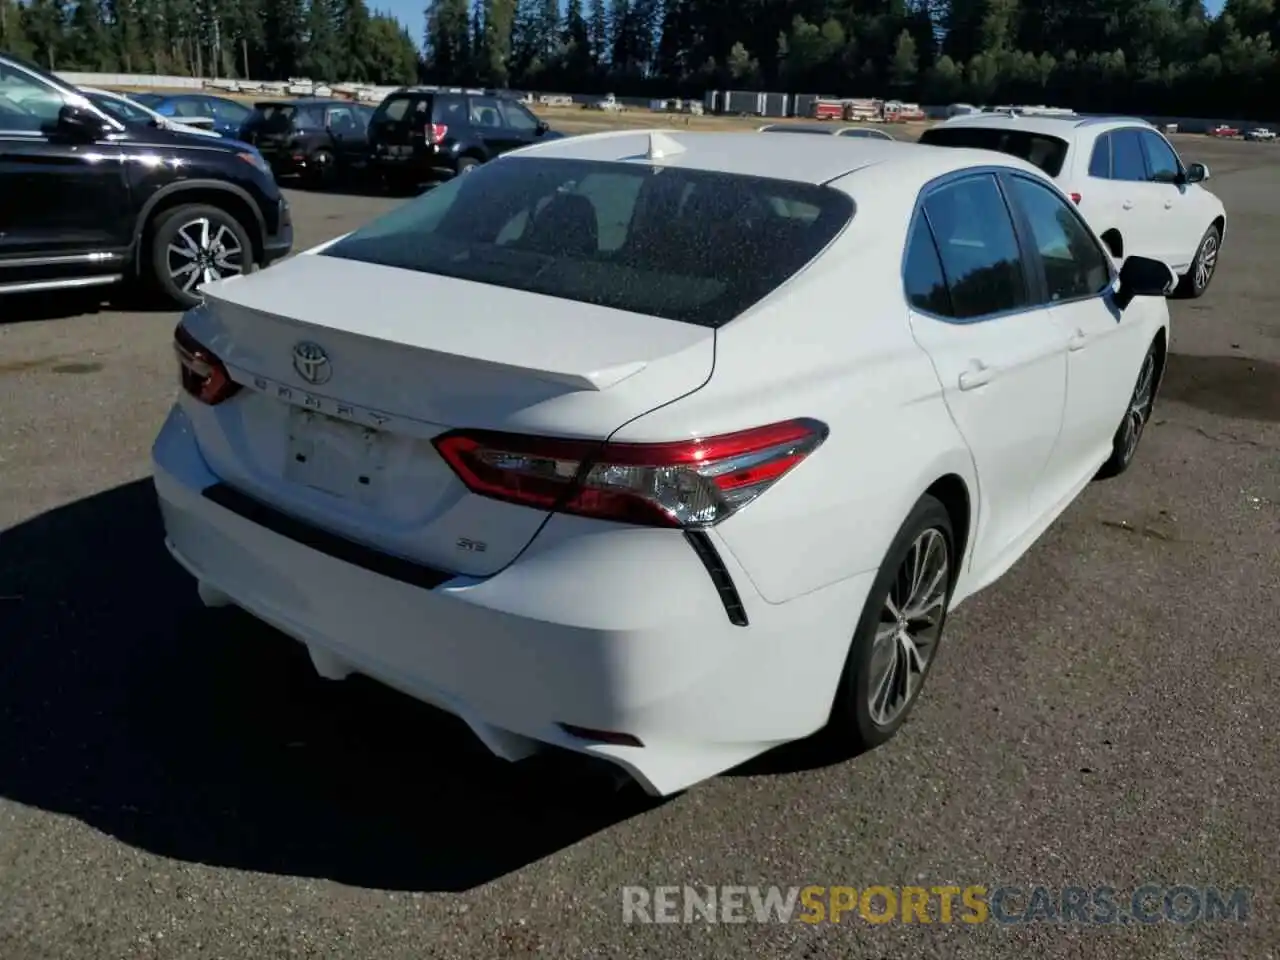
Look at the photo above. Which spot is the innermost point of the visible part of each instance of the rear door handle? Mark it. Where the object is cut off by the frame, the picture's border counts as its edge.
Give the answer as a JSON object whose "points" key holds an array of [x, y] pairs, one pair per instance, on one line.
{"points": [[976, 376], [1078, 340], [1127, 205]]}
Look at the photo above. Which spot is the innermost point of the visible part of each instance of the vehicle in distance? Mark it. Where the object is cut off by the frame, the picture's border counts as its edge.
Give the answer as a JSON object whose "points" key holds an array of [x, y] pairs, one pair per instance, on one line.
{"points": [[321, 140], [1125, 176], [92, 199], [868, 133], [222, 115], [602, 513], [1260, 134], [130, 111], [424, 133]]}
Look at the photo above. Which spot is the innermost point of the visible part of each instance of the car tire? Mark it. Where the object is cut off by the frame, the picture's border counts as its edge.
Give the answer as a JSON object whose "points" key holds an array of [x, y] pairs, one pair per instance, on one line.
{"points": [[1124, 445], [888, 654], [191, 240], [1204, 265], [466, 165], [322, 168]]}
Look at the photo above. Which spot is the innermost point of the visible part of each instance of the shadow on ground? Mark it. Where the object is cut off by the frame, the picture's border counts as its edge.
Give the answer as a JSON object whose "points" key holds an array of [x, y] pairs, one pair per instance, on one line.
{"points": [[204, 736], [63, 304], [1238, 387]]}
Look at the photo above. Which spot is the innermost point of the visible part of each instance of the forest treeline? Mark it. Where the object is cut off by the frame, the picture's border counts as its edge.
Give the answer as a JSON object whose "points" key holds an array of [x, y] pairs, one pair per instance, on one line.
{"points": [[1150, 56]]}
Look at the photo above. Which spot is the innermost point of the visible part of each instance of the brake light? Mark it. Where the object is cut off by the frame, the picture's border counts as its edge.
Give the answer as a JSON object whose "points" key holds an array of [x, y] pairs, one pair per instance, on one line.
{"points": [[1075, 198], [435, 132], [690, 483], [201, 373]]}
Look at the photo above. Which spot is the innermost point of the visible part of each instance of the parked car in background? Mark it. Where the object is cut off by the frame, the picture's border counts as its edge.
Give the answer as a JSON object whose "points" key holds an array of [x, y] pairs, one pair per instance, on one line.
{"points": [[91, 200], [129, 111], [420, 134], [320, 140], [1224, 131], [1260, 134], [602, 512], [224, 115], [1126, 177], [867, 133]]}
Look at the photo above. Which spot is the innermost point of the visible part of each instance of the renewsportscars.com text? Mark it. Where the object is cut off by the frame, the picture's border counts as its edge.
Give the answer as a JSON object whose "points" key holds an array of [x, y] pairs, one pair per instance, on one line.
{"points": [[976, 903]]}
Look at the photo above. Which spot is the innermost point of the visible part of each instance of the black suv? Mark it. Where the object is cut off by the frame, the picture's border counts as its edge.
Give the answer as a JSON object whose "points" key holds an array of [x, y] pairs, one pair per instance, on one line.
{"points": [[319, 140], [421, 133], [90, 200]]}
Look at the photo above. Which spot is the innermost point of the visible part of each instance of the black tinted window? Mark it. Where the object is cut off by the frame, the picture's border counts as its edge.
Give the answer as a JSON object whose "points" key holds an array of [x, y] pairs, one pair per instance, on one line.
{"points": [[230, 111], [393, 108], [1126, 156], [1074, 264], [925, 283], [1100, 159], [517, 117], [1161, 158], [682, 244], [1047, 153], [485, 112], [978, 246]]}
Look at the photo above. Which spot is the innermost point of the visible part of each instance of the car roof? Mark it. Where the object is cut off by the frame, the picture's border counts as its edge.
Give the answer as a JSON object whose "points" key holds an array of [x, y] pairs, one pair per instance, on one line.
{"points": [[819, 161], [1063, 126]]}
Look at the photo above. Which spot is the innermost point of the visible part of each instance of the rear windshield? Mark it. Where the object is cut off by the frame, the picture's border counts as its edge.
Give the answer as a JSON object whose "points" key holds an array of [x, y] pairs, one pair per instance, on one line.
{"points": [[418, 109], [1046, 152], [681, 244]]}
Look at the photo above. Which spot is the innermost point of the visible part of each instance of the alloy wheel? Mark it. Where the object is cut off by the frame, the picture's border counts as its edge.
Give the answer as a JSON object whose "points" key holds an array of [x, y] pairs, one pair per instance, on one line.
{"points": [[203, 250], [1206, 262], [1139, 412], [909, 628]]}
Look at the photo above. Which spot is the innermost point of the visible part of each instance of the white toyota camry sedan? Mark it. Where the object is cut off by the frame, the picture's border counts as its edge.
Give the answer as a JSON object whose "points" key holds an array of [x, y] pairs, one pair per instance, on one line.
{"points": [[665, 448]]}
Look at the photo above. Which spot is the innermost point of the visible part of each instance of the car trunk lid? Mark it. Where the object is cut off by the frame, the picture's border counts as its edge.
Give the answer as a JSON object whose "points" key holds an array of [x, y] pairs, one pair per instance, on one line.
{"points": [[351, 369]]}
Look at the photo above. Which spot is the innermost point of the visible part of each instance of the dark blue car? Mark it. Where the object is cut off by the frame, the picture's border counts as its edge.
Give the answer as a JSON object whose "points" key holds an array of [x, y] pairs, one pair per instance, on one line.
{"points": [[227, 116]]}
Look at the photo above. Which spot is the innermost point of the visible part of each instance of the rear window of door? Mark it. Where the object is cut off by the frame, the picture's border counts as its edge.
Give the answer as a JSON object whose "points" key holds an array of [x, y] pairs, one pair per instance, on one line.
{"points": [[1161, 159], [978, 246], [1127, 162], [486, 112], [191, 108], [228, 111]]}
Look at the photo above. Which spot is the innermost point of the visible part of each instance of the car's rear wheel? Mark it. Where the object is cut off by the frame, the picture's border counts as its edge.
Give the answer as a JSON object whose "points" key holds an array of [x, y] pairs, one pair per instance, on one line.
{"points": [[1196, 280], [197, 244], [897, 637], [466, 165], [1136, 417]]}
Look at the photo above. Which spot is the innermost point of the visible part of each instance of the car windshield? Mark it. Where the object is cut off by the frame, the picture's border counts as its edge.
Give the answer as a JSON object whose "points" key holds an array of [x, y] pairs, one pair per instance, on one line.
{"points": [[147, 99], [686, 245], [1046, 152]]}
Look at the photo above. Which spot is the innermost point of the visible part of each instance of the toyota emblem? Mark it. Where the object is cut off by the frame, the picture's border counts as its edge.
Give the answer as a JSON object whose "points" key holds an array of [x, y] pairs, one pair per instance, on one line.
{"points": [[312, 363]]}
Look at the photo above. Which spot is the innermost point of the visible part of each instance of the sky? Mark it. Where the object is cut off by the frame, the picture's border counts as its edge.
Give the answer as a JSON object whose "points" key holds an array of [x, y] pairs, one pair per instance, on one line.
{"points": [[410, 13]]}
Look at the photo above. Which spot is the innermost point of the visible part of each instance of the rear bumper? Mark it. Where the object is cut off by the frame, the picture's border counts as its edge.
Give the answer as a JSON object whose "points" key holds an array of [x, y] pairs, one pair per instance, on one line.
{"points": [[595, 627]]}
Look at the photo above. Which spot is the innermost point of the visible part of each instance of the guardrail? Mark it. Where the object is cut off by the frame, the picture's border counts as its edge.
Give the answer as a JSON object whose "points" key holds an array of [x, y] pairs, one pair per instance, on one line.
{"points": [[374, 94]]}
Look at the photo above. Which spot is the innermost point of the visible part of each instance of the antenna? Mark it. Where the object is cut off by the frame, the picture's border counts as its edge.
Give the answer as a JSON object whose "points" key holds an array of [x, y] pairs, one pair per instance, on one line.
{"points": [[660, 145]]}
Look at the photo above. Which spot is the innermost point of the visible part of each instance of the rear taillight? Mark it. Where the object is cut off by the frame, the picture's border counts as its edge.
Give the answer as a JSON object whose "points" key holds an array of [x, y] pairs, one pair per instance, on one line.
{"points": [[202, 374], [691, 483], [435, 132], [1075, 198]]}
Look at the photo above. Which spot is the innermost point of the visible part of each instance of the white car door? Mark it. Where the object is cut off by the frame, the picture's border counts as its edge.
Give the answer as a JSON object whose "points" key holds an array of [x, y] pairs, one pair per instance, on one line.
{"points": [[1000, 360], [1182, 219], [1132, 203], [1105, 347]]}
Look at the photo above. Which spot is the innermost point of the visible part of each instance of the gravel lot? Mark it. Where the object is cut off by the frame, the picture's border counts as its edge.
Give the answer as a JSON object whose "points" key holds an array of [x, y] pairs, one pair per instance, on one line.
{"points": [[174, 784]]}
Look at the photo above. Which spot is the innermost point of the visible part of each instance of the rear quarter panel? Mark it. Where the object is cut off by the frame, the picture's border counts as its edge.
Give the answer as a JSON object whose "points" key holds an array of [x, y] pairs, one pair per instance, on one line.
{"points": [[834, 344]]}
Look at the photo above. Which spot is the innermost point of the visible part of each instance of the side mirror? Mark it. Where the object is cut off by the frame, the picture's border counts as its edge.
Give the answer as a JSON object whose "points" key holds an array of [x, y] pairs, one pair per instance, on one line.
{"points": [[80, 123], [1197, 173], [1144, 277], [542, 127]]}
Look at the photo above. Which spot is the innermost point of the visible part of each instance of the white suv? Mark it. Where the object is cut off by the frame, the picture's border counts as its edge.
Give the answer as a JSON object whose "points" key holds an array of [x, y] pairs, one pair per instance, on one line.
{"points": [[1123, 174]]}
